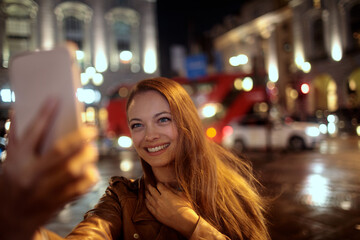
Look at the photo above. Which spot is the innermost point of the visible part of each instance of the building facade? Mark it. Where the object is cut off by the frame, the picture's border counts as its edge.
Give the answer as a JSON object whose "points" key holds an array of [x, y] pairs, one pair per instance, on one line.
{"points": [[117, 39], [289, 43]]}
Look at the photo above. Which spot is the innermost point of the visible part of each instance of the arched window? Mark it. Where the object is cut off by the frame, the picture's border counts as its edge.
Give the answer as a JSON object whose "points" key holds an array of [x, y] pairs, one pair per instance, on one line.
{"points": [[73, 24], [74, 30], [354, 88], [20, 23], [122, 32], [124, 44], [325, 92]]}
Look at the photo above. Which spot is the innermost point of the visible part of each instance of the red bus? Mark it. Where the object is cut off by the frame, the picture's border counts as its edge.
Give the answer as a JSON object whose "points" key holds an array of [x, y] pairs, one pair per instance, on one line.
{"points": [[217, 97]]}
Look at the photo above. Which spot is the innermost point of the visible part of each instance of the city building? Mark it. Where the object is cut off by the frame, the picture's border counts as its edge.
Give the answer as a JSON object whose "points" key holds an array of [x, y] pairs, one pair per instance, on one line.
{"points": [[306, 52], [117, 41]]}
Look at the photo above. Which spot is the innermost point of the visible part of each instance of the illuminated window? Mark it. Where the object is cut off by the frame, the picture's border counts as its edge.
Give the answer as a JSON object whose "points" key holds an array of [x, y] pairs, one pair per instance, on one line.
{"points": [[123, 25], [73, 24], [317, 4], [326, 97], [20, 19]]}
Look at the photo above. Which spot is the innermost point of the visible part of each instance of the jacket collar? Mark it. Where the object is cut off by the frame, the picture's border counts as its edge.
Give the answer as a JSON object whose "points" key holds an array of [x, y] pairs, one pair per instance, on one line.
{"points": [[141, 212]]}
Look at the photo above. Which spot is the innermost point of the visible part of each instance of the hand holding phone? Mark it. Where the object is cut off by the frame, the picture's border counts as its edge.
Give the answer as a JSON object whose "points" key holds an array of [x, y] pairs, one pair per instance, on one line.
{"points": [[40, 75], [51, 159]]}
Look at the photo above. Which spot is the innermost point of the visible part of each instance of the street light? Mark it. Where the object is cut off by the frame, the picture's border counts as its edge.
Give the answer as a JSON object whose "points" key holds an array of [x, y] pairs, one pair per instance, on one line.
{"points": [[305, 88], [125, 56], [240, 59]]}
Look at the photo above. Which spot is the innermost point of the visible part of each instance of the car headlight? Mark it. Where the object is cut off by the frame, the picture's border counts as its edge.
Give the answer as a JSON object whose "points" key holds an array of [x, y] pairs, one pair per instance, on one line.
{"points": [[323, 128], [312, 131]]}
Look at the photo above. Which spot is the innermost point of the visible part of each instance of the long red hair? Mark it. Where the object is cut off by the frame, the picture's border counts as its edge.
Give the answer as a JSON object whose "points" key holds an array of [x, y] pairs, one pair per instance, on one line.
{"points": [[220, 186]]}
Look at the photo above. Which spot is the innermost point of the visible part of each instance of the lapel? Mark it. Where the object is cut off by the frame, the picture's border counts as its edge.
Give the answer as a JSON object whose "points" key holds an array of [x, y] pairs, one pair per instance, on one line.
{"points": [[141, 212]]}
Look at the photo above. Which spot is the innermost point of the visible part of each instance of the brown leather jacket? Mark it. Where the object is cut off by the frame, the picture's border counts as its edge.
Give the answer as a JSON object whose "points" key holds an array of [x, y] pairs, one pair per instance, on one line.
{"points": [[122, 214]]}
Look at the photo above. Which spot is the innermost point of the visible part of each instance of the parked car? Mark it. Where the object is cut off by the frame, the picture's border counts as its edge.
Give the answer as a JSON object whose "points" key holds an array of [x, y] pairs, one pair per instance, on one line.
{"points": [[258, 132]]}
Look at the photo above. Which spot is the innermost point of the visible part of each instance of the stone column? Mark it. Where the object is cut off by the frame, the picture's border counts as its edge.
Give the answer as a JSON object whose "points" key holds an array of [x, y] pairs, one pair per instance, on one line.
{"points": [[149, 31], [47, 24], [298, 32], [101, 60]]}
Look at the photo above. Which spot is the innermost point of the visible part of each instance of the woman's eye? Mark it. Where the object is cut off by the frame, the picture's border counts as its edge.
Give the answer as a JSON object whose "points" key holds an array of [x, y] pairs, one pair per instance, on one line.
{"points": [[135, 125], [164, 119]]}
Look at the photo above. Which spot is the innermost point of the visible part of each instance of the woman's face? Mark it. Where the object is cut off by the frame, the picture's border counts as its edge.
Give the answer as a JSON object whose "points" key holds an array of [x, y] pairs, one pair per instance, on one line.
{"points": [[152, 128]]}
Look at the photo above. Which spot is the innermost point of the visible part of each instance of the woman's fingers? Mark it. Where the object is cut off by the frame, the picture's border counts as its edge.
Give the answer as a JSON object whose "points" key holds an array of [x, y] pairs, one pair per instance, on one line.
{"points": [[163, 189], [64, 181], [40, 126], [150, 195], [71, 144], [81, 186], [73, 164], [64, 172], [75, 139], [153, 191]]}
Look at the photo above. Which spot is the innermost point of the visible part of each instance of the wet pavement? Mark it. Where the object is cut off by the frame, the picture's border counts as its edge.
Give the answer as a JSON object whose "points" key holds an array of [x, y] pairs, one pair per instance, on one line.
{"points": [[314, 194]]}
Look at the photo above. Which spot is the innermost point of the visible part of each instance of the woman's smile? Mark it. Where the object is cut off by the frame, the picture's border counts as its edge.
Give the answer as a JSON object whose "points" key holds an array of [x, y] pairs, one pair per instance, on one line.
{"points": [[157, 148]]}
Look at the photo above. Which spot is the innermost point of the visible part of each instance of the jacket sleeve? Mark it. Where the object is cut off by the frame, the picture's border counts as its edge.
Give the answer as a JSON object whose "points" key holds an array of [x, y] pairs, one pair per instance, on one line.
{"points": [[204, 231], [105, 220]]}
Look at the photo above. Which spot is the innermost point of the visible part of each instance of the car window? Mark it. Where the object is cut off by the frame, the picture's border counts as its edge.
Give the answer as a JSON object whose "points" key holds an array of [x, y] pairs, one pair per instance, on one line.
{"points": [[253, 121]]}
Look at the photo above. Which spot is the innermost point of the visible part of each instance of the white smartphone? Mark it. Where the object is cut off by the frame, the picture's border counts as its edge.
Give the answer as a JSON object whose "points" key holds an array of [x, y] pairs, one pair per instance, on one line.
{"points": [[36, 76]]}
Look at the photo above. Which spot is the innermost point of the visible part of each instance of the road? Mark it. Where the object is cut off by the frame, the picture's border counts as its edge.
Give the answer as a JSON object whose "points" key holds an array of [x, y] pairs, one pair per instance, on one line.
{"points": [[317, 193], [314, 194]]}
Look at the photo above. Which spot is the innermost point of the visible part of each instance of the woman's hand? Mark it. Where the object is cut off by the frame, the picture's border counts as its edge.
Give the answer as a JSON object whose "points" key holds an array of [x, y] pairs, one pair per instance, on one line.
{"points": [[171, 208], [34, 185]]}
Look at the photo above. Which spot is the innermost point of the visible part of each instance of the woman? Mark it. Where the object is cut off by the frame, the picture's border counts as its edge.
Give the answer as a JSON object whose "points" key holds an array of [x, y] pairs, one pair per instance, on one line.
{"points": [[218, 185], [191, 188]]}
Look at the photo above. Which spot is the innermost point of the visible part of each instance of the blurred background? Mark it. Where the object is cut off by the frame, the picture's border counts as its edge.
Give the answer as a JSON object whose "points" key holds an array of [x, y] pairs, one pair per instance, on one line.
{"points": [[276, 81]]}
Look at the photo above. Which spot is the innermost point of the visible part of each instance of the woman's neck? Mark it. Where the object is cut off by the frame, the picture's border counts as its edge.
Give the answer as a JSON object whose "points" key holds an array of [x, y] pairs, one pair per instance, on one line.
{"points": [[165, 175]]}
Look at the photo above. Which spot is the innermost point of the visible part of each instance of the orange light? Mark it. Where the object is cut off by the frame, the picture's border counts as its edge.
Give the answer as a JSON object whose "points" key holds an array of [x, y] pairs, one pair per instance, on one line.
{"points": [[305, 88], [211, 132], [227, 130]]}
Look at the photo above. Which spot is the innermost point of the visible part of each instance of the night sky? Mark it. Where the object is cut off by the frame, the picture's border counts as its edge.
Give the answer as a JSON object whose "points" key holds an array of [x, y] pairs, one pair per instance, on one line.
{"points": [[184, 20]]}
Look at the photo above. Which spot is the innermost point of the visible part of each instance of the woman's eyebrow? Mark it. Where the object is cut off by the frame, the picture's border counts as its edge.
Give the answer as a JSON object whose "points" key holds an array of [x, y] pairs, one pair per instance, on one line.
{"points": [[134, 119], [156, 115], [160, 113]]}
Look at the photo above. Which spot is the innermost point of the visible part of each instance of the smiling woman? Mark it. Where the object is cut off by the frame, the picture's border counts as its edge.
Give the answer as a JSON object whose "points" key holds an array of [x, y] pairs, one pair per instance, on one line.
{"points": [[217, 197]]}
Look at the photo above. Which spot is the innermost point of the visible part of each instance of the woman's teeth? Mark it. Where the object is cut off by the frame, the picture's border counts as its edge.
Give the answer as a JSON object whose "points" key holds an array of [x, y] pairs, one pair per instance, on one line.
{"points": [[158, 148]]}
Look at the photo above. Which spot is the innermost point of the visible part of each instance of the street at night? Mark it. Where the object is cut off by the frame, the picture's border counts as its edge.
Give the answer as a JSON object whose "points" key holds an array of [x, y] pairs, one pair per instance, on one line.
{"points": [[313, 194], [277, 82]]}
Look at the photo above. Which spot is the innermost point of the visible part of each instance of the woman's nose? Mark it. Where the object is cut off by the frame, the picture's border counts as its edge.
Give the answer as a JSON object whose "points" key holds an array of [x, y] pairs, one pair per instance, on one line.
{"points": [[151, 134]]}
